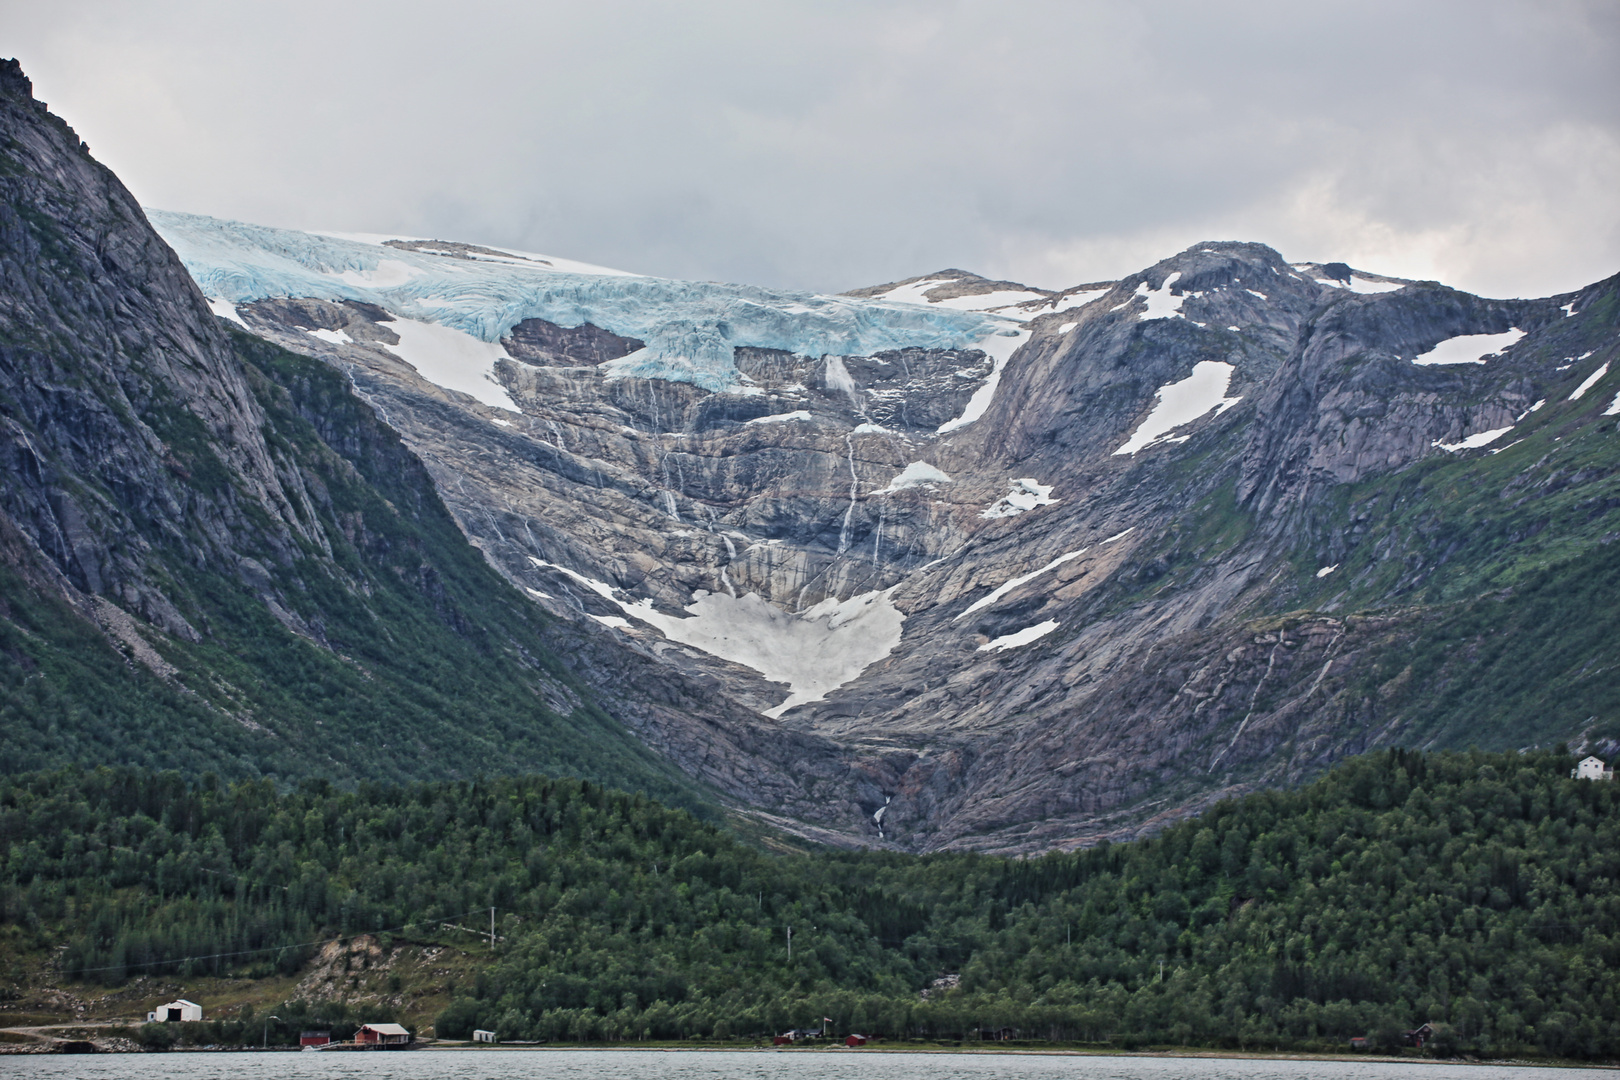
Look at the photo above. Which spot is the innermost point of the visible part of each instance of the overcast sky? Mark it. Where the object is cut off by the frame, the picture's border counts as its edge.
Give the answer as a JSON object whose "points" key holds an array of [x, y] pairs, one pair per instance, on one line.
{"points": [[827, 145]]}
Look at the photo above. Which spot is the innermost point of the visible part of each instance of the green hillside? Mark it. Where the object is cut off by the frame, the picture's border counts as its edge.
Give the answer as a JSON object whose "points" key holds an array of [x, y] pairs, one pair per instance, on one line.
{"points": [[1479, 892]]}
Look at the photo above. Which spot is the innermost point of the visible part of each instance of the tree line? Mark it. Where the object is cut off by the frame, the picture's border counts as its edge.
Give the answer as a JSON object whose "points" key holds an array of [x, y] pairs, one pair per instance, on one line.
{"points": [[1477, 892]]}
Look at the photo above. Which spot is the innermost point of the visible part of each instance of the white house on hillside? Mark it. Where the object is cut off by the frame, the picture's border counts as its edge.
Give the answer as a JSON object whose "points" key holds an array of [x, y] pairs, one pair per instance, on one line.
{"points": [[1591, 769], [179, 1010]]}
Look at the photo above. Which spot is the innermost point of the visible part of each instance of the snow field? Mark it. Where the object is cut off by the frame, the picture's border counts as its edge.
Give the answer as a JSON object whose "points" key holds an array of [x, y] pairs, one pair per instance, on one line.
{"points": [[1469, 348], [1590, 381], [225, 310], [913, 475], [1023, 579], [1020, 637], [452, 359], [781, 418], [1475, 441], [1027, 493], [813, 651], [1000, 349], [1181, 403]]}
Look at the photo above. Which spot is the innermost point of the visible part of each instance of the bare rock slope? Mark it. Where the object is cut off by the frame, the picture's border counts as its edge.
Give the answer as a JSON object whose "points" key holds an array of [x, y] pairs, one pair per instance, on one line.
{"points": [[1108, 553]]}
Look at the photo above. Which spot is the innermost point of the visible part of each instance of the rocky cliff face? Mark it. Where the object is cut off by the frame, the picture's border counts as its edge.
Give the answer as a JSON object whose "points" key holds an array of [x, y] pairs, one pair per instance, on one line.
{"points": [[213, 556], [947, 562], [1090, 561]]}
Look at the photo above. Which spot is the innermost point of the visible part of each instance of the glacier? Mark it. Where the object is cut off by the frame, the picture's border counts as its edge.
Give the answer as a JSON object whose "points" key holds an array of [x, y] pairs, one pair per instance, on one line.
{"points": [[690, 327]]}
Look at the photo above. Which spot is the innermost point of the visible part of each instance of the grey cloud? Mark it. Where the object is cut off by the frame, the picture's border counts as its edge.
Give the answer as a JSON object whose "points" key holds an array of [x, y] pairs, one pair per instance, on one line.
{"points": [[836, 144]]}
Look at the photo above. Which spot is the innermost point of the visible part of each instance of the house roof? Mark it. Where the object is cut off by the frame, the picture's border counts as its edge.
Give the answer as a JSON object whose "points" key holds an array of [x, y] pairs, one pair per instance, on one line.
{"points": [[387, 1029], [1593, 757]]}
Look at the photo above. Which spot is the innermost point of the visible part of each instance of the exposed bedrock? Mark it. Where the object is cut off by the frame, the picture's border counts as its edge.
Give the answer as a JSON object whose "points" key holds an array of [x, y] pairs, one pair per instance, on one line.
{"points": [[1086, 573]]}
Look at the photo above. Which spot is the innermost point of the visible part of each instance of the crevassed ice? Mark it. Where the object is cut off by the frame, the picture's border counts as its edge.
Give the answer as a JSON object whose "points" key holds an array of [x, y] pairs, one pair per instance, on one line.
{"points": [[1183, 402], [690, 327]]}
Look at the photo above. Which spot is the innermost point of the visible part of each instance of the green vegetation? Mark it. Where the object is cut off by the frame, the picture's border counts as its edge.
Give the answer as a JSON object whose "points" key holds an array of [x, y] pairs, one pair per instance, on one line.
{"points": [[403, 655], [1479, 892]]}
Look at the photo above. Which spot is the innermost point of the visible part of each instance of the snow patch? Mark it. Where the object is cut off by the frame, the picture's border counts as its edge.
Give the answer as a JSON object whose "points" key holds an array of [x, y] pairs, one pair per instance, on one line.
{"points": [[1183, 402], [1066, 327], [331, 337], [1614, 407], [1078, 299], [1359, 284], [1475, 441], [912, 293], [814, 651], [447, 357], [1026, 494], [869, 428], [1020, 637], [913, 475], [225, 310], [1591, 381], [1326, 570], [781, 418], [1000, 349], [1008, 586], [1160, 303], [1469, 348], [498, 420], [1568, 309]]}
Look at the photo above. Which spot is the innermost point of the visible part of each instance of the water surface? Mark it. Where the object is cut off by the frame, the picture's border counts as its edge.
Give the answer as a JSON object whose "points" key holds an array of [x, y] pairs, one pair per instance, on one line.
{"points": [[733, 1065]]}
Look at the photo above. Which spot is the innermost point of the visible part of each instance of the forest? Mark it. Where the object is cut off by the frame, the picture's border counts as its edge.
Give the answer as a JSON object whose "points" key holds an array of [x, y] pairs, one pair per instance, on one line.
{"points": [[1477, 892]]}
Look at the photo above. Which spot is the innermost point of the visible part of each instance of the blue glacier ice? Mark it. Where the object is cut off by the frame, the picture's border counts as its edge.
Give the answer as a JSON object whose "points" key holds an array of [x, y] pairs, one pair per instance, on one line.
{"points": [[690, 327]]}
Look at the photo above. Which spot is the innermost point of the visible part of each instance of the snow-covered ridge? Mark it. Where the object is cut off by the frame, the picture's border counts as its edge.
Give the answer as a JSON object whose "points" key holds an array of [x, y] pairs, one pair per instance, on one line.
{"points": [[690, 327]]}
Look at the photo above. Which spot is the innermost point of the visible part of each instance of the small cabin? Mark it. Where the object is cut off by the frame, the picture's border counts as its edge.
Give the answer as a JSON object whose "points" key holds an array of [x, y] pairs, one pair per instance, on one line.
{"points": [[1591, 768], [855, 1040], [1358, 1042], [314, 1038], [382, 1035], [480, 1035], [175, 1012]]}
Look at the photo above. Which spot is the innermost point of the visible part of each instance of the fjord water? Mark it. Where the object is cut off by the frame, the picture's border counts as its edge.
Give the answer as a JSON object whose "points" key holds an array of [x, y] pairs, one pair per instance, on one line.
{"points": [[741, 1065]]}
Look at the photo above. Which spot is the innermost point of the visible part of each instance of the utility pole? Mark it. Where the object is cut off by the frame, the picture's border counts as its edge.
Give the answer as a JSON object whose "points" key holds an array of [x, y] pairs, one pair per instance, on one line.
{"points": [[790, 943], [491, 929]]}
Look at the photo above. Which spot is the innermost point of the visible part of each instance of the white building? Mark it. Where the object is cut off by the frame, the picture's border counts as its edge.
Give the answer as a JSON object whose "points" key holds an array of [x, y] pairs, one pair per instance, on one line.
{"points": [[1591, 769], [179, 1010], [480, 1035]]}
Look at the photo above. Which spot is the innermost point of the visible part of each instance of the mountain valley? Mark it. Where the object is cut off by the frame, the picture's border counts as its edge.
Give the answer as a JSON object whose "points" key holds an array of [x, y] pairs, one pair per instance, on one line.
{"points": [[943, 563]]}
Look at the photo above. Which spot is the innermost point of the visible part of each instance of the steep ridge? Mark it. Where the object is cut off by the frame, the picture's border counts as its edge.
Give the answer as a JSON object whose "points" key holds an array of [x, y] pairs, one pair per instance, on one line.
{"points": [[215, 557], [1044, 566]]}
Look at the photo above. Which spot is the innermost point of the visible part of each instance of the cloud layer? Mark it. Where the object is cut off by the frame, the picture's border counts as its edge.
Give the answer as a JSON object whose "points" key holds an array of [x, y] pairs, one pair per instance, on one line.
{"points": [[837, 144]]}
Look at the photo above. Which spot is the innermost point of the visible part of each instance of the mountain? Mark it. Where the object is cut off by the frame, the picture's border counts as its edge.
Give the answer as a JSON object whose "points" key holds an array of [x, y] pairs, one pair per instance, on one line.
{"points": [[215, 557], [942, 563], [1035, 567]]}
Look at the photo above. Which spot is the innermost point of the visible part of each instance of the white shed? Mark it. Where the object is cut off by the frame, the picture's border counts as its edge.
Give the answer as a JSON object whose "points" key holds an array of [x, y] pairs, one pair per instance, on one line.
{"points": [[480, 1035], [179, 1010], [1591, 769]]}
